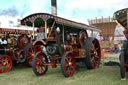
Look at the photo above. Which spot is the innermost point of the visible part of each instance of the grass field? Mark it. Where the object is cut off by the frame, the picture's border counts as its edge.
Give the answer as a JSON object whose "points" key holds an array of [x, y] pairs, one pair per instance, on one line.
{"points": [[104, 75]]}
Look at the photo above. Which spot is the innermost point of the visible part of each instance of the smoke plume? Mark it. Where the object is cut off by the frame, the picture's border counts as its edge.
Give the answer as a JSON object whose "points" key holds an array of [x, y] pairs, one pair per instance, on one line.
{"points": [[12, 11]]}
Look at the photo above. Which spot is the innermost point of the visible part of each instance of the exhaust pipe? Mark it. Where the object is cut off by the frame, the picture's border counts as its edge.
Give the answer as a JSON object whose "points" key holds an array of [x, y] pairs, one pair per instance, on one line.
{"points": [[54, 7]]}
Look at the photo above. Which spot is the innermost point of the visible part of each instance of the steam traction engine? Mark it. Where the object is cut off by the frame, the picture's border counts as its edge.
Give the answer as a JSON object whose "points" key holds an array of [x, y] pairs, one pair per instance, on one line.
{"points": [[63, 42], [12, 43], [121, 17]]}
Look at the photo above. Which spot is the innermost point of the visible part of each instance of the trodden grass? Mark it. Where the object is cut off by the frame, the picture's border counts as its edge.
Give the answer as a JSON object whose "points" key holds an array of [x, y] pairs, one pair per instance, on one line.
{"points": [[104, 75]]}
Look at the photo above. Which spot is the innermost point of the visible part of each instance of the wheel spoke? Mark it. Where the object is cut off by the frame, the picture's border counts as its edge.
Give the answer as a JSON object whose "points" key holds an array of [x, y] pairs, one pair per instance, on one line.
{"points": [[92, 49], [92, 53], [70, 59], [66, 64], [72, 67], [96, 56], [31, 49], [97, 49], [92, 45], [67, 60], [7, 66], [68, 70], [93, 59], [30, 54], [41, 63], [30, 58]]}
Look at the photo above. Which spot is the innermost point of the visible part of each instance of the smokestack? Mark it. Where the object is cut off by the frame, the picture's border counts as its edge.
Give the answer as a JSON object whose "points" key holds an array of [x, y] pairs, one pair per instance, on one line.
{"points": [[54, 7]]}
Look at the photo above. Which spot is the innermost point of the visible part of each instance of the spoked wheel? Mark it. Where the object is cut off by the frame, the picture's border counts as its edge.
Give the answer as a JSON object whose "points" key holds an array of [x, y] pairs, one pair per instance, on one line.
{"points": [[122, 66], [23, 40], [93, 53], [18, 56], [38, 64], [5, 63], [30, 51], [68, 64], [21, 57]]}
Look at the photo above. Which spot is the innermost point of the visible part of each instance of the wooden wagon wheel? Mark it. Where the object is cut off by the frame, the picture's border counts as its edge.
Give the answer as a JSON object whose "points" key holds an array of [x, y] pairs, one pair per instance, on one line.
{"points": [[122, 66], [5, 63], [38, 64], [82, 36], [93, 53], [23, 40], [30, 51], [68, 64]]}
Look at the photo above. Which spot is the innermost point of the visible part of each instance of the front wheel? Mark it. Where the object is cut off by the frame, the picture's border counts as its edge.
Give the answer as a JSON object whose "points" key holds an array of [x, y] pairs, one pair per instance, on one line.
{"points": [[39, 64], [68, 64], [5, 63]]}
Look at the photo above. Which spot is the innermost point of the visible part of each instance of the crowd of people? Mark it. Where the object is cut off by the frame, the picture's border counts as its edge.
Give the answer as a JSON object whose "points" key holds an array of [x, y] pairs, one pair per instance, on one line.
{"points": [[116, 48]]}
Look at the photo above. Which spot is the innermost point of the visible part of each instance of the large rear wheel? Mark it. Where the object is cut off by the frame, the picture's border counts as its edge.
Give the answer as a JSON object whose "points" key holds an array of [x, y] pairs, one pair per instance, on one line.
{"points": [[38, 64], [93, 53], [5, 63], [30, 51], [68, 64]]}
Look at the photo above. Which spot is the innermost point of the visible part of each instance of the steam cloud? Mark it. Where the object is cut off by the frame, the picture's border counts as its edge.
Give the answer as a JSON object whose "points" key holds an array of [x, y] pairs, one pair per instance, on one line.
{"points": [[10, 11], [15, 11]]}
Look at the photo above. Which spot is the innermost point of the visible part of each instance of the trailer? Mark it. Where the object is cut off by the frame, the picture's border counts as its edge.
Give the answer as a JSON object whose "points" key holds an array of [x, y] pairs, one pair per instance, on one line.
{"points": [[121, 17], [63, 42]]}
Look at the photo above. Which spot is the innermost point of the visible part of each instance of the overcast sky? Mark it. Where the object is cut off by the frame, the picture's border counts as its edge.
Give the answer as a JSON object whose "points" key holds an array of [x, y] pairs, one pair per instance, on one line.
{"points": [[77, 10]]}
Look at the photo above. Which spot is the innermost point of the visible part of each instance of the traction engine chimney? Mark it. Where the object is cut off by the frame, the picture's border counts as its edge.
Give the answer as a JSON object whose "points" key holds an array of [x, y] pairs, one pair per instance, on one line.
{"points": [[54, 7]]}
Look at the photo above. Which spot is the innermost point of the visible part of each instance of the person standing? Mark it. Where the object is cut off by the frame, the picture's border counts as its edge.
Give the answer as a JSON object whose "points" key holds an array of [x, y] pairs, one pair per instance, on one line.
{"points": [[116, 48]]}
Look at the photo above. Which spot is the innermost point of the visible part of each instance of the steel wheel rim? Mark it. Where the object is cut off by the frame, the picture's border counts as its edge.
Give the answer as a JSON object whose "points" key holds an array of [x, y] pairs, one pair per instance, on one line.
{"points": [[21, 56], [31, 52], [39, 64], [5, 64], [95, 54], [69, 64]]}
